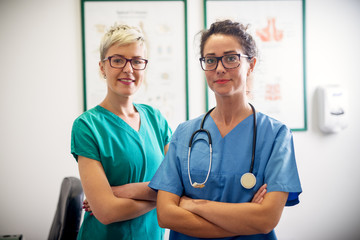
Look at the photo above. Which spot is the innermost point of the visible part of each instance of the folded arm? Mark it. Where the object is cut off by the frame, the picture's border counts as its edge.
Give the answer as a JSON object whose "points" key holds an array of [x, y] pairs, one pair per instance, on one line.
{"points": [[138, 191], [209, 219], [106, 207], [240, 218], [172, 216]]}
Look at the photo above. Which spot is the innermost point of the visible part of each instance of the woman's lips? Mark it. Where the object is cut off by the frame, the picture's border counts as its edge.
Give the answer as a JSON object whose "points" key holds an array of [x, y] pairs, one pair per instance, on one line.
{"points": [[126, 81], [222, 81]]}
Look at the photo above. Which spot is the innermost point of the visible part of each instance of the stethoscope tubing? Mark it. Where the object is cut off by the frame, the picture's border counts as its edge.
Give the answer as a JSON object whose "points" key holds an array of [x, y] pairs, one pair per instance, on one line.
{"points": [[254, 140], [200, 185], [201, 129]]}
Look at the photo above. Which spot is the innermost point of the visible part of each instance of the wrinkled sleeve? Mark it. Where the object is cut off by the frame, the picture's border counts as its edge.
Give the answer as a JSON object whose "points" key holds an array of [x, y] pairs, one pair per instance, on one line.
{"points": [[83, 141], [165, 129], [168, 176], [281, 173]]}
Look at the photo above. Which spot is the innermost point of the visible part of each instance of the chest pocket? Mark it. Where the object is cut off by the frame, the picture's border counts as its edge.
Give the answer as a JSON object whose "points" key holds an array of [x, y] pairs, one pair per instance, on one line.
{"points": [[199, 163]]}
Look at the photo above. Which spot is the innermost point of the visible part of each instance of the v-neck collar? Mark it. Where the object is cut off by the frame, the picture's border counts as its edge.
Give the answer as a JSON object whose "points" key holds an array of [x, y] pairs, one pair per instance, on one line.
{"points": [[216, 132], [121, 122]]}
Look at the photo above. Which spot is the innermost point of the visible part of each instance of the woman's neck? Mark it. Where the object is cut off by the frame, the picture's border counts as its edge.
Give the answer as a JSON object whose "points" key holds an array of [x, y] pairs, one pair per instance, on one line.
{"points": [[119, 106], [124, 109], [229, 112], [230, 109]]}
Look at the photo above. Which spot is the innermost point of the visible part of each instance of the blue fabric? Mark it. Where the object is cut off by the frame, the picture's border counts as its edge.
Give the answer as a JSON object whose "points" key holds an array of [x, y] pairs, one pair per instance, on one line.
{"points": [[274, 163], [127, 156]]}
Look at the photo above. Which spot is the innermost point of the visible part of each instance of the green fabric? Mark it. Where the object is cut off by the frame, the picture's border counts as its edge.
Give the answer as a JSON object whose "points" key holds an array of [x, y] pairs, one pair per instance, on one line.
{"points": [[127, 156]]}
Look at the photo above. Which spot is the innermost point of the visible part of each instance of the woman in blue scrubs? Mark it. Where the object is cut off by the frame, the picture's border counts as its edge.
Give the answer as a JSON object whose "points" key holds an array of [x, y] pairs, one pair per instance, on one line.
{"points": [[221, 208], [119, 145]]}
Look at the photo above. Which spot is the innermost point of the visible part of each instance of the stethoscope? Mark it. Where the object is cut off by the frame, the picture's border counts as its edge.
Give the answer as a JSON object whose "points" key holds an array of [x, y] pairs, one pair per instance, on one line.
{"points": [[248, 180]]}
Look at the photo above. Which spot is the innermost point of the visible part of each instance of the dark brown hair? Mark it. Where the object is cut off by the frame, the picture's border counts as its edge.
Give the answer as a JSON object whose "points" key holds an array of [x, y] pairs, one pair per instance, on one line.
{"points": [[235, 29]]}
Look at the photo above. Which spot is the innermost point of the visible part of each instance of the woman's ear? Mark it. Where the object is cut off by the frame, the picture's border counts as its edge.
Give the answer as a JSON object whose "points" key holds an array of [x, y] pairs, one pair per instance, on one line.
{"points": [[102, 70], [252, 65]]}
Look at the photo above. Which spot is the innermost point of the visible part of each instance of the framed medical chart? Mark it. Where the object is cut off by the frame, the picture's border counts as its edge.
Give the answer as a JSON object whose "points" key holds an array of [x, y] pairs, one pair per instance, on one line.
{"points": [[278, 26], [164, 25]]}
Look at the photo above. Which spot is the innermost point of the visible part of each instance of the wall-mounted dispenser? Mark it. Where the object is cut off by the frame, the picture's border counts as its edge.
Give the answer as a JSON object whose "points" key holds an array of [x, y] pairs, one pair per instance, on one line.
{"points": [[333, 108]]}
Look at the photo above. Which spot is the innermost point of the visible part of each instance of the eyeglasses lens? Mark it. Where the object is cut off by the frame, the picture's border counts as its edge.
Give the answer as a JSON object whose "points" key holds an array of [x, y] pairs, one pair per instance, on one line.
{"points": [[228, 61], [120, 62]]}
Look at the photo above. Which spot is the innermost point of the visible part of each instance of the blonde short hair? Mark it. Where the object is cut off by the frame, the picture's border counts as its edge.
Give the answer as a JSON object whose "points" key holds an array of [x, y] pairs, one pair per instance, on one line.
{"points": [[120, 34]]}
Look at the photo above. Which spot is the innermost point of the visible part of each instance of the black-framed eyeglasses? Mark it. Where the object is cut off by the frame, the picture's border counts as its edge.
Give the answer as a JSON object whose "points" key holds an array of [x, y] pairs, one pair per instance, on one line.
{"points": [[117, 61], [228, 61]]}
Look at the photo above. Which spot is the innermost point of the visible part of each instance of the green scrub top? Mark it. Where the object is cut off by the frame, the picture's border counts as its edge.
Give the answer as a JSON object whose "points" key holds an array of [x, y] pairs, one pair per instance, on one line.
{"points": [[127, 156]]}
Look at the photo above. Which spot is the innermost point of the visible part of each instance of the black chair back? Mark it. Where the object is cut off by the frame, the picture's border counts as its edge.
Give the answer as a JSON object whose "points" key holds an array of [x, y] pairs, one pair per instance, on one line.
{"points": [[67, 218]]}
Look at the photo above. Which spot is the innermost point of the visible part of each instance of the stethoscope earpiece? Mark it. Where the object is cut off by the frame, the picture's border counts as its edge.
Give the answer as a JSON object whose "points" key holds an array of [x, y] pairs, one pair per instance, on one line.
{"points": [[248, 180]]}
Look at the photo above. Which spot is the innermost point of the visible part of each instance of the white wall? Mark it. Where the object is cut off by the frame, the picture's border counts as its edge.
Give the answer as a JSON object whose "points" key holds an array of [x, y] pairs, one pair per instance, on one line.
{"points": [[41, 94]]}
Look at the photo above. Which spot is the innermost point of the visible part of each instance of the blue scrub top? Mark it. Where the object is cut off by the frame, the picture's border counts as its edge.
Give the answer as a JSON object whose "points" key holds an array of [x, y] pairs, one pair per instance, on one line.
{"points": [[274, 163]]}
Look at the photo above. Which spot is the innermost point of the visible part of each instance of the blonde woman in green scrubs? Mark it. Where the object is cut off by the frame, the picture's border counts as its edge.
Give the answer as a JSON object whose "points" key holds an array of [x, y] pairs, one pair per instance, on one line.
{"points": [[119, 145]]}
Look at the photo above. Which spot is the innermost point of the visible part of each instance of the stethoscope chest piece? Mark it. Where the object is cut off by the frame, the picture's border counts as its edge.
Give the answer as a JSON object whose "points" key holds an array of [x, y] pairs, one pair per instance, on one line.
{"points": [[248, 180], [198, 185]]}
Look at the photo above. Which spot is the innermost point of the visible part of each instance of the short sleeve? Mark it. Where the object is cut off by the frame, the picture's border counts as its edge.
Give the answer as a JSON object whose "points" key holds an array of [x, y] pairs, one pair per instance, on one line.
{"points": [[83, 141], [168, 176], [281, 172], [165, 129]]}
